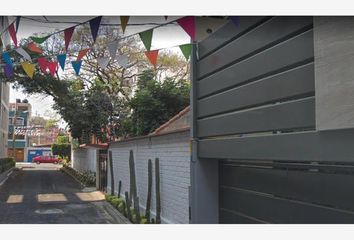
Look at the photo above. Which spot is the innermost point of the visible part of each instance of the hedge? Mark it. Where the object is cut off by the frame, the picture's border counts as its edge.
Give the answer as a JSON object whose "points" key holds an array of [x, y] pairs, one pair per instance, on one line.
{"points": [[6, 164], [62, 149]]}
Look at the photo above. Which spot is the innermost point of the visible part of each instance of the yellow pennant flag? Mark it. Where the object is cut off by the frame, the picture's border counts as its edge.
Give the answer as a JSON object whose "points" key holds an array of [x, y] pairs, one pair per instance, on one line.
{"points": [[28, 68]]}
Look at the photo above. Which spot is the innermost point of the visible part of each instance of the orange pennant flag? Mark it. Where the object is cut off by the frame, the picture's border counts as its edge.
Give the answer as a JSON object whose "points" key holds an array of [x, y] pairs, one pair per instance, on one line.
{"points": [[33, 48], [124, 22], [82, 54], [152, 56]]}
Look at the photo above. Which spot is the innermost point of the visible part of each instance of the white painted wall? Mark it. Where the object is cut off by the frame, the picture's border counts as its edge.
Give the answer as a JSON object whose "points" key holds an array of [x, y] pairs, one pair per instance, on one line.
{"points": [[174, 155], [84, 159]]}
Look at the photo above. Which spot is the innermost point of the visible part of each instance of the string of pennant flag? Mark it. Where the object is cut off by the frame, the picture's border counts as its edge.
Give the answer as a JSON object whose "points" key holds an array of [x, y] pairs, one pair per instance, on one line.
{"points": [[189, 25]]}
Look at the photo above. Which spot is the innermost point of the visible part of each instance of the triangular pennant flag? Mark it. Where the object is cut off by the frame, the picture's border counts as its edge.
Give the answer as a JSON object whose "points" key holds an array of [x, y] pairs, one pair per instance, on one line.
{"points": [[42, 62], [7, 58], [39, 40], [112, 48], [9, 71], [123, 60], [95, 25], [28, 68], [12, 33], [235, 19], [33, 48], [82, 54], [103, 62], [77, 66], [67, 36], [152, 56], [186, 50], [146, 37], [52, 66], [205, 26], [124, 22], [23, 53], [61, 59], [18, 18], [188, 24]]}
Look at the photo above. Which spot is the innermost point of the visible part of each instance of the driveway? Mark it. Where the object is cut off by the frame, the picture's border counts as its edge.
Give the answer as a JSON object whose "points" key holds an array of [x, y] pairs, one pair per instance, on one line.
{"points": [[44, 194]]}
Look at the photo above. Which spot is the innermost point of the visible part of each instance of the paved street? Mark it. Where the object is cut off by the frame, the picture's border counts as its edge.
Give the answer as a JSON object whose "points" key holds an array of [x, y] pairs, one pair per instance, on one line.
{"points": [[44, 194]]}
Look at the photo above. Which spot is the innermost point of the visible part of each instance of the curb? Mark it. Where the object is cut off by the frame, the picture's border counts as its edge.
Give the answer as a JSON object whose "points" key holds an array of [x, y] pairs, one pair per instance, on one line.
{"points": [[113, 212], [72, 176], [5, 175]]}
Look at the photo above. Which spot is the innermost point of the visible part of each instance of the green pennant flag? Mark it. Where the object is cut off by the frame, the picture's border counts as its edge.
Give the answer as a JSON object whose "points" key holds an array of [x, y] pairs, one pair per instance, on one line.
{"points": [[146, 37], [186, 50], [40, 40]]}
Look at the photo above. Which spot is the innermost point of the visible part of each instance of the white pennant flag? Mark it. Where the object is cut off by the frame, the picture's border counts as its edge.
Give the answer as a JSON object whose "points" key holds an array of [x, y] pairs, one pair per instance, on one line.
{"points": [[112, 48], [205, 26], [123, 60], [23, 53], [103, 62]]}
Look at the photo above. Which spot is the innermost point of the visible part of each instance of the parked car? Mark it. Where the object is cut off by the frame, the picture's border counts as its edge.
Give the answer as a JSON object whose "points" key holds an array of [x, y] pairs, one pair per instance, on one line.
{"points": [[46, 159]]}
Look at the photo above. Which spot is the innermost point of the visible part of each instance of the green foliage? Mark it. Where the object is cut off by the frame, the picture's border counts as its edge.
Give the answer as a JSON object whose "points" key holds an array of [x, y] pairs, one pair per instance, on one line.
{"points": [[87, 178], [61, 149], [6, 164], [62, 139]]}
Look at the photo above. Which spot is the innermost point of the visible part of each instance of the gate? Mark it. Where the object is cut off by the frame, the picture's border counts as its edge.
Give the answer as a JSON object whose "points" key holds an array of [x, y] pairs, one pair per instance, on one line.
{"points": [[254, 114], [102, 170]]}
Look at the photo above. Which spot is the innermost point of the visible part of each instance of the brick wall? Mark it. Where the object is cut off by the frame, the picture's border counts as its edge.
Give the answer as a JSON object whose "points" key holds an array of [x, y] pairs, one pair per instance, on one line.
{"points": [[173, 152], [84, 159]]}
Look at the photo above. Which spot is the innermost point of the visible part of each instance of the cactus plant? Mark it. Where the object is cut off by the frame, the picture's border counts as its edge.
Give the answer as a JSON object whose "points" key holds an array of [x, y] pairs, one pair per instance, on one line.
{"points": [[158, 198], [137, 210], [133, 191], [129, 216], [112, 173], [148, 199], [119, 188]]}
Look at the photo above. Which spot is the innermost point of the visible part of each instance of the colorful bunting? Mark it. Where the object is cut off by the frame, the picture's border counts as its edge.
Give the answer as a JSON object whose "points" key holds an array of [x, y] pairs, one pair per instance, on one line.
{"points": [[7, 58], [18, 18], [124, 22], [28, 68], [123, 60], [188, 25], [33, 48], [82, 54], [152, 56], [67, 36], [61, 59], [95, 25], [112, 48], [23, 53], [9, 71], [52, 66], [39, 40], [235, 19], [103, 62], [12, 33], [205, 26], [42, 62], [146, 37], [186, 50], [77, 66]]}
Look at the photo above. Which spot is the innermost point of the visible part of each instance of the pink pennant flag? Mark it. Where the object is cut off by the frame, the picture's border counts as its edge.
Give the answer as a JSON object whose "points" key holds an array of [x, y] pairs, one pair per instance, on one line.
{"points": [[42, 62], [188, 25], [12, 33], [52, 66], [82, 54]]}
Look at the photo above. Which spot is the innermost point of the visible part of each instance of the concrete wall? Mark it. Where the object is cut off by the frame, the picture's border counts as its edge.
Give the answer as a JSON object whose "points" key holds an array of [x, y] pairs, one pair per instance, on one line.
{"points": [[334, 72], [84, 159], [174, 155]]}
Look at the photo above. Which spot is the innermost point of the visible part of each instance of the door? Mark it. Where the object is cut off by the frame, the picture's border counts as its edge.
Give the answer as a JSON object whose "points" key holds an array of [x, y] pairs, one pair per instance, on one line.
{"points": [[102, 170]]}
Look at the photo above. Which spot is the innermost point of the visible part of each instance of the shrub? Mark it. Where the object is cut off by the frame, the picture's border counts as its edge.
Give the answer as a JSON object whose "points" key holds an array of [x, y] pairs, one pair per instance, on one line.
{"points": [[6, 164], [61, 149]]}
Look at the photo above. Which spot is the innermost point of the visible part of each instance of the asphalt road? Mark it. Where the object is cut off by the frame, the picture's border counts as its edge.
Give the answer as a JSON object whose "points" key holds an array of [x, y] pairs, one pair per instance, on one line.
{"points": [[44, 194]]}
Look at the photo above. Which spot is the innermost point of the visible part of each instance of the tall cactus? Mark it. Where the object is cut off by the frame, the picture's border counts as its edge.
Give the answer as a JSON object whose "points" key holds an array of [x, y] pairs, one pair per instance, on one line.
{"points": [[148, 199], [158, 199], [137, 210], [129, 215], [119, 188], [133, 190], [112, 172]]}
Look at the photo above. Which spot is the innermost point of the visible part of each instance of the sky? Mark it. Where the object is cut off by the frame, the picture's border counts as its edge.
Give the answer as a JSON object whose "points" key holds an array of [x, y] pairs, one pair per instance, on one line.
{"points": [[163, 37]]}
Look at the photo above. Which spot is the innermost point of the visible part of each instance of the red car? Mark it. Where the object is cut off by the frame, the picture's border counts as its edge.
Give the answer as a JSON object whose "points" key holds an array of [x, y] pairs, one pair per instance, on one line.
{"points": [[45, 159]]}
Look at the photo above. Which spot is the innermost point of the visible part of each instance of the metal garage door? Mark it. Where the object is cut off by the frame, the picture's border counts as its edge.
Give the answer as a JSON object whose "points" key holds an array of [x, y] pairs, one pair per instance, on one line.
{"points": [[255, 113]]}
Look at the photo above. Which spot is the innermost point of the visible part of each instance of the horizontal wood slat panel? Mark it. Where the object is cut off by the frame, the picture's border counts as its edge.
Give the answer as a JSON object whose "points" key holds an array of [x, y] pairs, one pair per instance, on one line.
{"points": [[270, 61], [309, 186], [277, 210], [295, 82], [261, 37], [329, 146], [289, 115], [226, 33]]}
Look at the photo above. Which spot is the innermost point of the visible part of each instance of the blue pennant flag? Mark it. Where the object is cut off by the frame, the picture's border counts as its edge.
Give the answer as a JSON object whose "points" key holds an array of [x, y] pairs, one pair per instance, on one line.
{"points": [[17, 22], [7, 59], [61, 59], [95, 25], [77, 66]]}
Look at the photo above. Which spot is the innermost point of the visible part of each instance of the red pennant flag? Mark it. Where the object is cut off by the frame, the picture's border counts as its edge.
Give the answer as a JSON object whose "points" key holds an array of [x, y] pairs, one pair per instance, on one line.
{"points": [[42, 62], [12, 32], [52, 67], [82, 54], [67, 36], [152, 56], [188, 24], [33, 48]]}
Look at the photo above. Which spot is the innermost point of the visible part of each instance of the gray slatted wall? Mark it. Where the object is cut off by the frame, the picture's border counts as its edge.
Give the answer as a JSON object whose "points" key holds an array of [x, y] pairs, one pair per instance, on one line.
{"points": [[256, 113]]}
